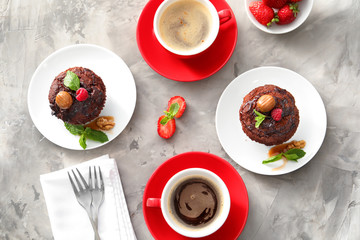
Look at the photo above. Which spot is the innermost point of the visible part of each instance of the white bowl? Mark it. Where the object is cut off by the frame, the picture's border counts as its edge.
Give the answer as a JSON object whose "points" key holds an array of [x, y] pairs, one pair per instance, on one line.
{"points": [[305, 7]]}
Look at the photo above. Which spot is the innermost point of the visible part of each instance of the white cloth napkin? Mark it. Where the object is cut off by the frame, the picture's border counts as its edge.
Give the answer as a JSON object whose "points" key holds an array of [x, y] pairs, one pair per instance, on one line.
{"points": [[69, 221]]}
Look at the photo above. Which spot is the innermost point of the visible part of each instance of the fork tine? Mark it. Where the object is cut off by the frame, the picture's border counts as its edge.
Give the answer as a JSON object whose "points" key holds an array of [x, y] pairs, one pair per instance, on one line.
{"points": [[96, 179], [78, 182], [90, 179], [73, 185], [82, 179], [101, 179]]}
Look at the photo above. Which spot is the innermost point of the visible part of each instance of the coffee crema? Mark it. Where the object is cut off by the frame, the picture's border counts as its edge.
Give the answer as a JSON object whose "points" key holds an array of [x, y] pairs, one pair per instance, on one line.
{"points": [[195, 202], [185, 25]]}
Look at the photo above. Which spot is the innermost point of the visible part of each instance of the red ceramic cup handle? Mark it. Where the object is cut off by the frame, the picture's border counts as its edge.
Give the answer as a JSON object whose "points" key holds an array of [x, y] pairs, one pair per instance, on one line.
{"points": [[224, 15], [153, 202]]}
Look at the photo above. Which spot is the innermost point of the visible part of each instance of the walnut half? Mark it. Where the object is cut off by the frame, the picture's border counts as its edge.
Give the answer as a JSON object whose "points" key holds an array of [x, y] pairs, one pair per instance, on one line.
{"points": [[295, 144], [105, 123]]}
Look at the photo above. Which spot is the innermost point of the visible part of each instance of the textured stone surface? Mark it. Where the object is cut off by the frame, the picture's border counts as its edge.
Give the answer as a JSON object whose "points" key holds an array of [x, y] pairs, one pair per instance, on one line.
{"points": [[319, 201]]}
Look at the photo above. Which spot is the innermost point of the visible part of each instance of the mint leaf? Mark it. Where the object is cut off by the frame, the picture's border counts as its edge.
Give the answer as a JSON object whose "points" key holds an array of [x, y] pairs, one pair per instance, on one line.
{"points": [[173, 110], [82, 141], [259, 118], [72, 81], [165, 120], [273, 159], [294, 154], [74, 129], [86, 133], [95, 135]]}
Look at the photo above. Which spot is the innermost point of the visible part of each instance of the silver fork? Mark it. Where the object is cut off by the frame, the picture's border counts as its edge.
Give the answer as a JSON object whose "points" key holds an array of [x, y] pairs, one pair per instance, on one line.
{"points": [[97, 191], [83, 196]]}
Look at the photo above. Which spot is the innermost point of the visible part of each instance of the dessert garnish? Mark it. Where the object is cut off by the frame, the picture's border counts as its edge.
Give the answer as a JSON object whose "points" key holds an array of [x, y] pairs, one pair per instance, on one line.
{"points": [[266, 103], [166, 128], [259, 118], [103, 123], [166, 124], [276, 114], [291, 151], [81, 94], [86, 133], [181, 102], [64, 100], [72, 81]]}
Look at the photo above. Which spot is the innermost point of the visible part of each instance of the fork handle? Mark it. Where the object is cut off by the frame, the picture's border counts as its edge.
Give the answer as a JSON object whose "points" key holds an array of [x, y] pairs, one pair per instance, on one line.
{"points": [[97, 237]]}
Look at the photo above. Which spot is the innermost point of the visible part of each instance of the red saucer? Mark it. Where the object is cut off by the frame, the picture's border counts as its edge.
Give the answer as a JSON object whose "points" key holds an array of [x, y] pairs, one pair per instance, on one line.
{"points": [[185, 69], [238, 195]]}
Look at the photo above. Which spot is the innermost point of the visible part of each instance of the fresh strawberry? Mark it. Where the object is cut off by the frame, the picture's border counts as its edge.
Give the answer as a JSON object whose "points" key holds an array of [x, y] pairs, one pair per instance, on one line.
{"points": [[182, 105], [294, 1], [166, 127], [287, 14], [275, 3], [262, 13], [276, 114]]}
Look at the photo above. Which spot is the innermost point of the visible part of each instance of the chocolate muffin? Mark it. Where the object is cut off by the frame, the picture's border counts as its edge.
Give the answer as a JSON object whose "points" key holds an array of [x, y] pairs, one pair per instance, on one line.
{"points": [[72, 110], [270, 132]]}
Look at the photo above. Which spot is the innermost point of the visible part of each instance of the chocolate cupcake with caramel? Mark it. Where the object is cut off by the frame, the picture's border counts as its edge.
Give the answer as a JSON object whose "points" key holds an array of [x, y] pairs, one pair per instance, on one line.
{"points": [[268, 115]]}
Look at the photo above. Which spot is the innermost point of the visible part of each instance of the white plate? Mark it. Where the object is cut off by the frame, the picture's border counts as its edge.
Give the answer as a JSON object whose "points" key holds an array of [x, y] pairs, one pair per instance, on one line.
{"points": [[250, 154], [118, 80], [305, 7]]}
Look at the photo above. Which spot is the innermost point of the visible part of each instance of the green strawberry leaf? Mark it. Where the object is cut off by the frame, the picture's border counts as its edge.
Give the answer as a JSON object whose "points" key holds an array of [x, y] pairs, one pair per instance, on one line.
{"points": [[95, 135], [72, 81], [74, 129], [82, 141]]}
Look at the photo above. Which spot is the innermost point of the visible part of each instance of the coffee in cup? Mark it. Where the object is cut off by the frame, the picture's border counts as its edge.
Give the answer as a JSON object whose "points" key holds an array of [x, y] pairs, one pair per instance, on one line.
{"points": [[195, 202], [188, 27], [185, 25]]}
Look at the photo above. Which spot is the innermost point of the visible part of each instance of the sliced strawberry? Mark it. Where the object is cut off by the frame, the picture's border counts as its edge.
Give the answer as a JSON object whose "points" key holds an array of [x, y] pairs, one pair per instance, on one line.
{"points": [[181, 102], [166, 127]]}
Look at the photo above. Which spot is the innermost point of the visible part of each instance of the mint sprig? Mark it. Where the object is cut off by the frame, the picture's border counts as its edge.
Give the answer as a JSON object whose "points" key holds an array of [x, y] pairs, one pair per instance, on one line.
{"points": [[259, 118], [292, 154], [173, 110], [86, 133], [72, 81]]}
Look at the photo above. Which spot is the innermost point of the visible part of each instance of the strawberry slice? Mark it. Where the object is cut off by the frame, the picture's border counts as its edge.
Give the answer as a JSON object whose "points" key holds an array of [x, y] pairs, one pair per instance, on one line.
{"points": [[166, 127], [181, 102]]}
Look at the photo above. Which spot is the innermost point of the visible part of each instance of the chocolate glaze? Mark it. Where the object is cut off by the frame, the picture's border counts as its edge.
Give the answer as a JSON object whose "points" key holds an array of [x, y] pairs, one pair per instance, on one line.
{"points": [[195, 202]]}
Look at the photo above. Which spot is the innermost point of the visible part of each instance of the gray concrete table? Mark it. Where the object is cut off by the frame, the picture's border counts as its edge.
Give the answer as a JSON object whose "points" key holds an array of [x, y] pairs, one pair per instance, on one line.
{"points": [[319, 201]]}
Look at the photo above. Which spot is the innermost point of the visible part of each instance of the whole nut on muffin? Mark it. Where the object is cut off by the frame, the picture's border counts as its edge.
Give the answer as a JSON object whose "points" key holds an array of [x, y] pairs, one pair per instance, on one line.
{"points": [[64, 100], [266, 103]]}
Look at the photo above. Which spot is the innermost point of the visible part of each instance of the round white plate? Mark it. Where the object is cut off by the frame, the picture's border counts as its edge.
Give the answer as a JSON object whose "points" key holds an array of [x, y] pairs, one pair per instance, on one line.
{"points": [[250, 154], [305, 7], [118, 80]]}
